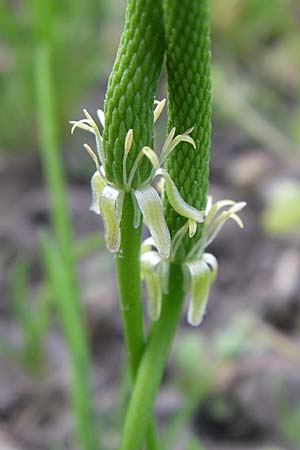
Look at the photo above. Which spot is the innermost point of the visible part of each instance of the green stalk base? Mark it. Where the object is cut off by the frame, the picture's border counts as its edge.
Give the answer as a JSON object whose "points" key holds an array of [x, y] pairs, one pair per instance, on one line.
{"points": [[130, 295], [152, 365]]}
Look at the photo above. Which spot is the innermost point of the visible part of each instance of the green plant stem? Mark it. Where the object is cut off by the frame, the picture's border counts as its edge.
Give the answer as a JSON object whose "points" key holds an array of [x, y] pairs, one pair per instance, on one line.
{"points": [[60, 262], [129, 283], [152, 364], [50, 151], [128, 274]]}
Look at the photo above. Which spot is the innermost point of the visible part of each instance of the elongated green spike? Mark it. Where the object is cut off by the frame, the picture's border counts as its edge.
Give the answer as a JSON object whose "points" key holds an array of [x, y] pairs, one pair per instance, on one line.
{"points": [[131, 88], [189, 93]]}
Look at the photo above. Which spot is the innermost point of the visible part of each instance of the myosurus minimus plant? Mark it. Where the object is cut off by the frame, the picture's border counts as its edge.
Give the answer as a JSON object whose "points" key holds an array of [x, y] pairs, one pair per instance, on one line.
{"points": [[166, 189]]}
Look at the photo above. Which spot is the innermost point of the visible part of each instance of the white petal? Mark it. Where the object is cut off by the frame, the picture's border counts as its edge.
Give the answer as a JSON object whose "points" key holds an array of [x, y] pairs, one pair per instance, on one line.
{"points": [[150, 273], [100, 115], [177, 202], [99, 140], [234, 207], [152, 156], [160, 186], [128, 141], [170, 145], [82, 125], [202, 274], [192, 228], [127, 147], [147, 245], [237, 219], [214, 221], [209, 204], [159, 108], [134, 169], [168, 141], [212, 263], [92, 154], [111, 205], [151, 207], [98, 183], [150, 260]]}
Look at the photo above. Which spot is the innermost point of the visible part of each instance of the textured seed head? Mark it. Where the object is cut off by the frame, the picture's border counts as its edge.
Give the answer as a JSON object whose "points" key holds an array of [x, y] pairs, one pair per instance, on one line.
{"points": [[131, 88], [189, 91]]}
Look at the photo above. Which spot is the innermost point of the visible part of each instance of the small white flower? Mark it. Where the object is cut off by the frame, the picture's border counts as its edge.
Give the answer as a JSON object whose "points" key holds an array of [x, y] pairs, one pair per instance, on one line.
{"points": [[200, 268]]}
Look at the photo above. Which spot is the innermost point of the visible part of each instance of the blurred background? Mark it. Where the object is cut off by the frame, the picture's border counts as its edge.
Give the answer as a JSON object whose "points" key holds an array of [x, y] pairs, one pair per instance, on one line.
{"points": [[233, 383]]}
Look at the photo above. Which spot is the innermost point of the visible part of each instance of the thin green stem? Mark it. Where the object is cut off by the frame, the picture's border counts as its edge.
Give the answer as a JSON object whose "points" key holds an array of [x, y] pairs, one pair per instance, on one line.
{"points": [[60, 263], [128, 274], [152, 364], [75, 336], [50, 151], [129, 283]]}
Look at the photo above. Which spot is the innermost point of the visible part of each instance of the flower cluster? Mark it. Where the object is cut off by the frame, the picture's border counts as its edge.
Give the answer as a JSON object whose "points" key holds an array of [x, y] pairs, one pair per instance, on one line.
{"points": [[200, 268], [108, 198]]}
